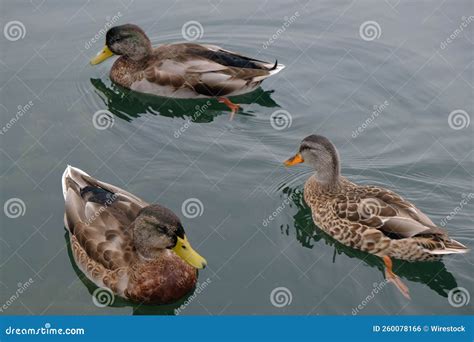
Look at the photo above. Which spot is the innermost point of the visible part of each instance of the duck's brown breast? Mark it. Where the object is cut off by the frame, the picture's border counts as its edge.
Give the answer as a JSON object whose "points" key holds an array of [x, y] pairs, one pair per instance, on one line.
{"points": [[161, 281], [125, 71]]}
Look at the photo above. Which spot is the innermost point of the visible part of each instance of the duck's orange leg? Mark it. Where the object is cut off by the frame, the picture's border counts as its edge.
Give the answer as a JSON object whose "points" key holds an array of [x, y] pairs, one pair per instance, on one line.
{"points": [[232, 106], [392, 277]]}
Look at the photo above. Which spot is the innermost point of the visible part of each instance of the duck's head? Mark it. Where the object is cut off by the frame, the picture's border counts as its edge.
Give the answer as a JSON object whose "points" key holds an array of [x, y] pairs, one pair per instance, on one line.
{"points": [[157, 228], [318, 152], [126, 40]]}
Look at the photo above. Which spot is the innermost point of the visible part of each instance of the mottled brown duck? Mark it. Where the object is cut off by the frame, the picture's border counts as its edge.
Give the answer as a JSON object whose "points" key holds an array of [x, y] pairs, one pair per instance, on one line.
{"points": [[369, 218], [181, 70], [137, 250]]}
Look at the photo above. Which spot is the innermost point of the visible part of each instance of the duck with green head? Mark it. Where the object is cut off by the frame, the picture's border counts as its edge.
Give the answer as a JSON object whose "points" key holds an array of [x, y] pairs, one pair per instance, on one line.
{"points": [[181, 70]]}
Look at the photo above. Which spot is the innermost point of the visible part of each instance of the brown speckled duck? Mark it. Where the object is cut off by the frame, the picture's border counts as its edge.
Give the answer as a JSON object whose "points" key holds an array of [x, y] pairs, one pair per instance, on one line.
{"points": [[137, 250], [369, 218], [181, 70]]}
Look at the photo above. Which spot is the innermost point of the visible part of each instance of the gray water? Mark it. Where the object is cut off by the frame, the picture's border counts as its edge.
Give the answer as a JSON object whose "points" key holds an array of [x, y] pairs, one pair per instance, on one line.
{"points": [[332, 82]]}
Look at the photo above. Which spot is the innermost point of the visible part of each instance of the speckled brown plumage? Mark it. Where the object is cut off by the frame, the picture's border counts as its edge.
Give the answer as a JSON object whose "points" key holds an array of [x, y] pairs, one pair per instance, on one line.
{"points": [[372, 219], [368, 218], [99, 218]]}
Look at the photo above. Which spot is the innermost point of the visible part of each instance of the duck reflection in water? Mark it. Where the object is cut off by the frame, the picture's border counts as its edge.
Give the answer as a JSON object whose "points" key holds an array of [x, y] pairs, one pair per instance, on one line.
{"points": [[127, 104]]}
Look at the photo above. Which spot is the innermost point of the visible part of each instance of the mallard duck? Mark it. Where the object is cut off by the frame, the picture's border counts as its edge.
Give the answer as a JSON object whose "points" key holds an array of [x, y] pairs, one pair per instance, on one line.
{"points": [[181, 70], [137, 250], [369, 218]]}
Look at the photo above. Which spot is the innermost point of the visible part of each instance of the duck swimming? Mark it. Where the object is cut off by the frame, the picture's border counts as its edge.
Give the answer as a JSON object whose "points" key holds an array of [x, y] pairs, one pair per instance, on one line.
{"points": [[137, 250], [181, 70], [369, 218]]}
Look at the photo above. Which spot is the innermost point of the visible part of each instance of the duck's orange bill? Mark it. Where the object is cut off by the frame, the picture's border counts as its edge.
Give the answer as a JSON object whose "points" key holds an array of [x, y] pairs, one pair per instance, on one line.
{"points": [[296, 159]]}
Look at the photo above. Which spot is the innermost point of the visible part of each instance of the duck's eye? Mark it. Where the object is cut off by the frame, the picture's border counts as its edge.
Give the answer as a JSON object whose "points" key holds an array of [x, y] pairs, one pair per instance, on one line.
{"points": [[115, 40], [184, 247]]}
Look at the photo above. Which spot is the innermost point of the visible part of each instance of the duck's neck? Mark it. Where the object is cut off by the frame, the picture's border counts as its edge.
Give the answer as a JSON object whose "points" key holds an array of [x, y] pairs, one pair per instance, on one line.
{"points": [[328, 174], [329, 183], [140, 52], [146, 252]]}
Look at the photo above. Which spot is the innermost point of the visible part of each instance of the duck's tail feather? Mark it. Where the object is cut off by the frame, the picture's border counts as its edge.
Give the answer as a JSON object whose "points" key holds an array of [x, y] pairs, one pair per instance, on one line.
{"points": [[276, 68], [451, 247], [70, 177]]}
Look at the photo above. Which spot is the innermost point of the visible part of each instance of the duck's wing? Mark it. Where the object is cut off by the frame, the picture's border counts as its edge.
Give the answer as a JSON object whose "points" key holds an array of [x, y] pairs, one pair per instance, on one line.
{"points": [[207, 69], [396, 218], [98, 216], [229, 58]]}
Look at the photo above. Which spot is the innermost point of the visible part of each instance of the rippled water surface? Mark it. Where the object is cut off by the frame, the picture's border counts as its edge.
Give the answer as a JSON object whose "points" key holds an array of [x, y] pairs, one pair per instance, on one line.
{"points": [[160, 150]]}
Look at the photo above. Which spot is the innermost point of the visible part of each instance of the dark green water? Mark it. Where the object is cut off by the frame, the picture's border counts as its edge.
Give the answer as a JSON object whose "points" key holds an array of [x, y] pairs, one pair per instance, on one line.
{"points": [[332, 82]]}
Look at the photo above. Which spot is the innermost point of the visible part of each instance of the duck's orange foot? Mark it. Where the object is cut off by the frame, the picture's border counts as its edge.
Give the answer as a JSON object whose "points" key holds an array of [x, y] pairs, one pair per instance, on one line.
{"points": [[393, 278], [232, 106]]}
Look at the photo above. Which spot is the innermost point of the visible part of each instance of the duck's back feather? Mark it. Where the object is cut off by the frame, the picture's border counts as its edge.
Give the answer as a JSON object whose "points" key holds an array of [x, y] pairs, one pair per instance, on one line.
{"points": [[99, 216], [383, 219], [188, 70]]}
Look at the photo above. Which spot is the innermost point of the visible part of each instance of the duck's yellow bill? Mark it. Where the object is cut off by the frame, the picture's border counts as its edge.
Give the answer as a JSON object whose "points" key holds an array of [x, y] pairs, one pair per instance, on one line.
{"points": [[102, 56], [296, 159], [188, 254]]}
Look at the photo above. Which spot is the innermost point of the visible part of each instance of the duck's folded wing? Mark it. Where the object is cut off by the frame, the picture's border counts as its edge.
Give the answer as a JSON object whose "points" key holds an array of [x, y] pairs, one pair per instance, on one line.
{"points": [[396, 218], [229, 58], [208, 70], [389, 213], [99, 216]]}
